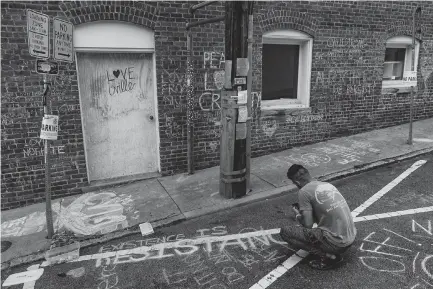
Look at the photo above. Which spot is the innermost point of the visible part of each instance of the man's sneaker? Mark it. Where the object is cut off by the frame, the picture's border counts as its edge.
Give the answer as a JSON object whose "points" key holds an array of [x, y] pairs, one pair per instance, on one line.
{"points": [[324, 263]]}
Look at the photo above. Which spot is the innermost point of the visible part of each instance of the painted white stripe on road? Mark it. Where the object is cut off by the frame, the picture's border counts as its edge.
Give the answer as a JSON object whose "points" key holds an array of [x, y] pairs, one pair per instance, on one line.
{"points": [[387, 188], [294, 259], [31, 284], [393, 214], [198, 241]]}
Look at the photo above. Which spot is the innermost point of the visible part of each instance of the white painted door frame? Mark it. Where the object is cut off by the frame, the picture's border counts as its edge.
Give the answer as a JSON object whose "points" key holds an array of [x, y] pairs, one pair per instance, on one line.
{"points": [[87, 42]]}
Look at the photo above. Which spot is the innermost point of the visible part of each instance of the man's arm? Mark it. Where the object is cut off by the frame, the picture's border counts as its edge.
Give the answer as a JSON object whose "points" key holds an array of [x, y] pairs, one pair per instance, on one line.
{"points": [[305, 218], [305, 213]]}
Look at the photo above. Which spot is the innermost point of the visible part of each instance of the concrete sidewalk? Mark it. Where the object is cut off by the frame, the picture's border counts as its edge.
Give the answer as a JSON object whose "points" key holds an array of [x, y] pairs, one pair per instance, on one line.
{"points": [[114, 212]]}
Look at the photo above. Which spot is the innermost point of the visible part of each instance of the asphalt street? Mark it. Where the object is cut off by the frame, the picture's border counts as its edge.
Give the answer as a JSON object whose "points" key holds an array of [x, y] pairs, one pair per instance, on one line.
{"points": [[235, 249]]}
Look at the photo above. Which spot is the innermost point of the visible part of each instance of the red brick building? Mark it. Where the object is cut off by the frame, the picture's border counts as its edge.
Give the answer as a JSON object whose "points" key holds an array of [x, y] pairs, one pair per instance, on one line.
{"points": [[320, 70]]}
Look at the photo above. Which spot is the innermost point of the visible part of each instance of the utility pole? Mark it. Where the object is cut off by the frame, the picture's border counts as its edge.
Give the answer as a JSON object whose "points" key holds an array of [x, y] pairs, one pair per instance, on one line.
{"points": [[235, 101]]}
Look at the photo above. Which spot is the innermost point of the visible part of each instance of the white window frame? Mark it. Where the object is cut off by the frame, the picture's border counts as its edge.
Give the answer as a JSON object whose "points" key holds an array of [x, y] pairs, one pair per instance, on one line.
{"points": [[305, 42], [402, 42]]}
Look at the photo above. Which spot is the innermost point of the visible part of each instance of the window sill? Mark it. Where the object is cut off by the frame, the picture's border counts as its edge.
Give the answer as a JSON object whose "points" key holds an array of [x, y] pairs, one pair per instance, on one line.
{"points": [[397, 87], [285, 110]]}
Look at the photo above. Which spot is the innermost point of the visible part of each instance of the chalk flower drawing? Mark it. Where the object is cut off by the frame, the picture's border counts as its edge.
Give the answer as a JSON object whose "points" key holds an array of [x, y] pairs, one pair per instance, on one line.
{"points": [[89, 214]]}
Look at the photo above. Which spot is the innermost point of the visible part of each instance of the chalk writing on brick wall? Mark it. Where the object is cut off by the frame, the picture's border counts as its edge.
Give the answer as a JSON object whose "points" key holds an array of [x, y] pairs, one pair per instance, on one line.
{"points": [[67, 108], [89, 214], [269, 127], [35, 147], [408, 258], [342, 50], [173, 128], [11, 115], [303, 118], [351, 82], [427, 61]]}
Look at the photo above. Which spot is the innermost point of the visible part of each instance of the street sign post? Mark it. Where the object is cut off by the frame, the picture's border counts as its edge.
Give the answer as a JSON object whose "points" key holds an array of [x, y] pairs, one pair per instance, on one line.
{"points": [[38, 34], [63, 43], [47, 67]]}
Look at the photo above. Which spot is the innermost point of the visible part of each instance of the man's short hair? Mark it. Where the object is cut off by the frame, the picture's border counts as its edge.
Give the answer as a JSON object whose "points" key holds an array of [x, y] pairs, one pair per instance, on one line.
{"points": [[294, 169]]}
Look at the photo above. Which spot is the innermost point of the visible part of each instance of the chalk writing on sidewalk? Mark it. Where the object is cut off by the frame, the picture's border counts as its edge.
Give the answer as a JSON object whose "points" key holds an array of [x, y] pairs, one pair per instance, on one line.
{"points": [[89, 214], [385, 253], [341, 154]]}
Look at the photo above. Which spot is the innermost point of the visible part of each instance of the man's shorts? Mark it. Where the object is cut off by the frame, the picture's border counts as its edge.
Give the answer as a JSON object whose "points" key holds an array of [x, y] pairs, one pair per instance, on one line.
{"points": [[312, 239]]}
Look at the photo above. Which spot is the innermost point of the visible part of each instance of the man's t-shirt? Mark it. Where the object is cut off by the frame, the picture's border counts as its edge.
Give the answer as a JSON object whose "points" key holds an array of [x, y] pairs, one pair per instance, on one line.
{"points": [[330, 212]]}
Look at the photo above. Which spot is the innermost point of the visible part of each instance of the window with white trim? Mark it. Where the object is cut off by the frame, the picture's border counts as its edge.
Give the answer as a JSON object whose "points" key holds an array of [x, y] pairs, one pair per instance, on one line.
{"points": [[286, 69], [398, 58]]}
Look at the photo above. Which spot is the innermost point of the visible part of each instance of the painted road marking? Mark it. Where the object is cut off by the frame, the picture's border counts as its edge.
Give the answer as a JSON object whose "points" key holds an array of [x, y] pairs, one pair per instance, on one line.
{"points": [[265, 281], [23, 277], [31, 284], [387, 188], [393, 214], [199, 241], [292, 260]]}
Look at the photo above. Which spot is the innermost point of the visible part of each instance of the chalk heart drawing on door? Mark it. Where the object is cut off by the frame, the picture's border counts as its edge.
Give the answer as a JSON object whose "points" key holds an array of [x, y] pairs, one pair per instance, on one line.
{"points": [[89, 214]]}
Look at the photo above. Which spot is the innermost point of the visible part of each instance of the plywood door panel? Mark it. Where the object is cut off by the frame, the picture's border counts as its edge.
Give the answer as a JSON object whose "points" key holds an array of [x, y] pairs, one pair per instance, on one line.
{"points": [[117, 103]]}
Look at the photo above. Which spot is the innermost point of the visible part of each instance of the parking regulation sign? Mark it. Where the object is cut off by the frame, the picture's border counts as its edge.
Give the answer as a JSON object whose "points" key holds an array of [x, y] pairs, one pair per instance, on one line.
{"points": [[63, 43], [38, 34]]}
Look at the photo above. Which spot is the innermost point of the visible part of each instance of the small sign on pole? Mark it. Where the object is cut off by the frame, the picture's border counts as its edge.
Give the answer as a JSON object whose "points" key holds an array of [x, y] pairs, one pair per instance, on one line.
{"points": [[46, 67], [50, 127], [240, 80], [243, 113], [411, 77], [38, 36], [63, 40]]}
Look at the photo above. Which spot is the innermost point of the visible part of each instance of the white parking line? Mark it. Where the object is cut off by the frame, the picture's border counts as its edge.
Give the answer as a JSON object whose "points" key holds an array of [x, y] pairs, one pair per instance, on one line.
{"points": [[387, 188], [294, 259], [393, 214]]}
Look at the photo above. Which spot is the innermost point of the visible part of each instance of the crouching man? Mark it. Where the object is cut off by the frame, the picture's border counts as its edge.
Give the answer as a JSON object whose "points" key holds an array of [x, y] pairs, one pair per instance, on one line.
{"points": [[320, 203]]}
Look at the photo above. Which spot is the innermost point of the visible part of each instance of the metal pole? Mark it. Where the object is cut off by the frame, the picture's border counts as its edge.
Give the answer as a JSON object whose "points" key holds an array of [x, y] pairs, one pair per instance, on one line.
{"points": [[412, 88], [204, 21], [49, 213], [249, 100], [193, 8], [190, 106]]}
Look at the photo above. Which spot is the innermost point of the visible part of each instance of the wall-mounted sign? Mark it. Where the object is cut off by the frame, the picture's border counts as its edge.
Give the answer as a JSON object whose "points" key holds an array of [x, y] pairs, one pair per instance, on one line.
{"points": [[240, 80], [243, 113], [242, 96], [63, 43], [410, 76], [47, 67], [242, 67], [241, 131], [37, 30], [50, 127]]}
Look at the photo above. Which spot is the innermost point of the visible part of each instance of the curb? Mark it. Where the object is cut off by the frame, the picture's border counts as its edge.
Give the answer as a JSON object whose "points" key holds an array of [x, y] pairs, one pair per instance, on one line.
{"points": [[264, 195]]}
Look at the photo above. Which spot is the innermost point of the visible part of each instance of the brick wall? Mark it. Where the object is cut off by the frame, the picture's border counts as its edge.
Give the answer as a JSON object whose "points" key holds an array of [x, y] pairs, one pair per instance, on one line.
{"points": [[346, 83]]}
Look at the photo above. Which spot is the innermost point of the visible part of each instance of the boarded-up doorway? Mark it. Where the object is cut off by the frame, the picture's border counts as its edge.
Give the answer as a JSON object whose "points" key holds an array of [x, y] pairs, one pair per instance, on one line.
{"points": [[118, 114]]}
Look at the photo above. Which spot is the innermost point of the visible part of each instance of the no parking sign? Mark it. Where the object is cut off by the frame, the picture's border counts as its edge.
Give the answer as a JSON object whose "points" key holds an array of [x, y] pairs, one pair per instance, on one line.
{"points": [[50, 127]]}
